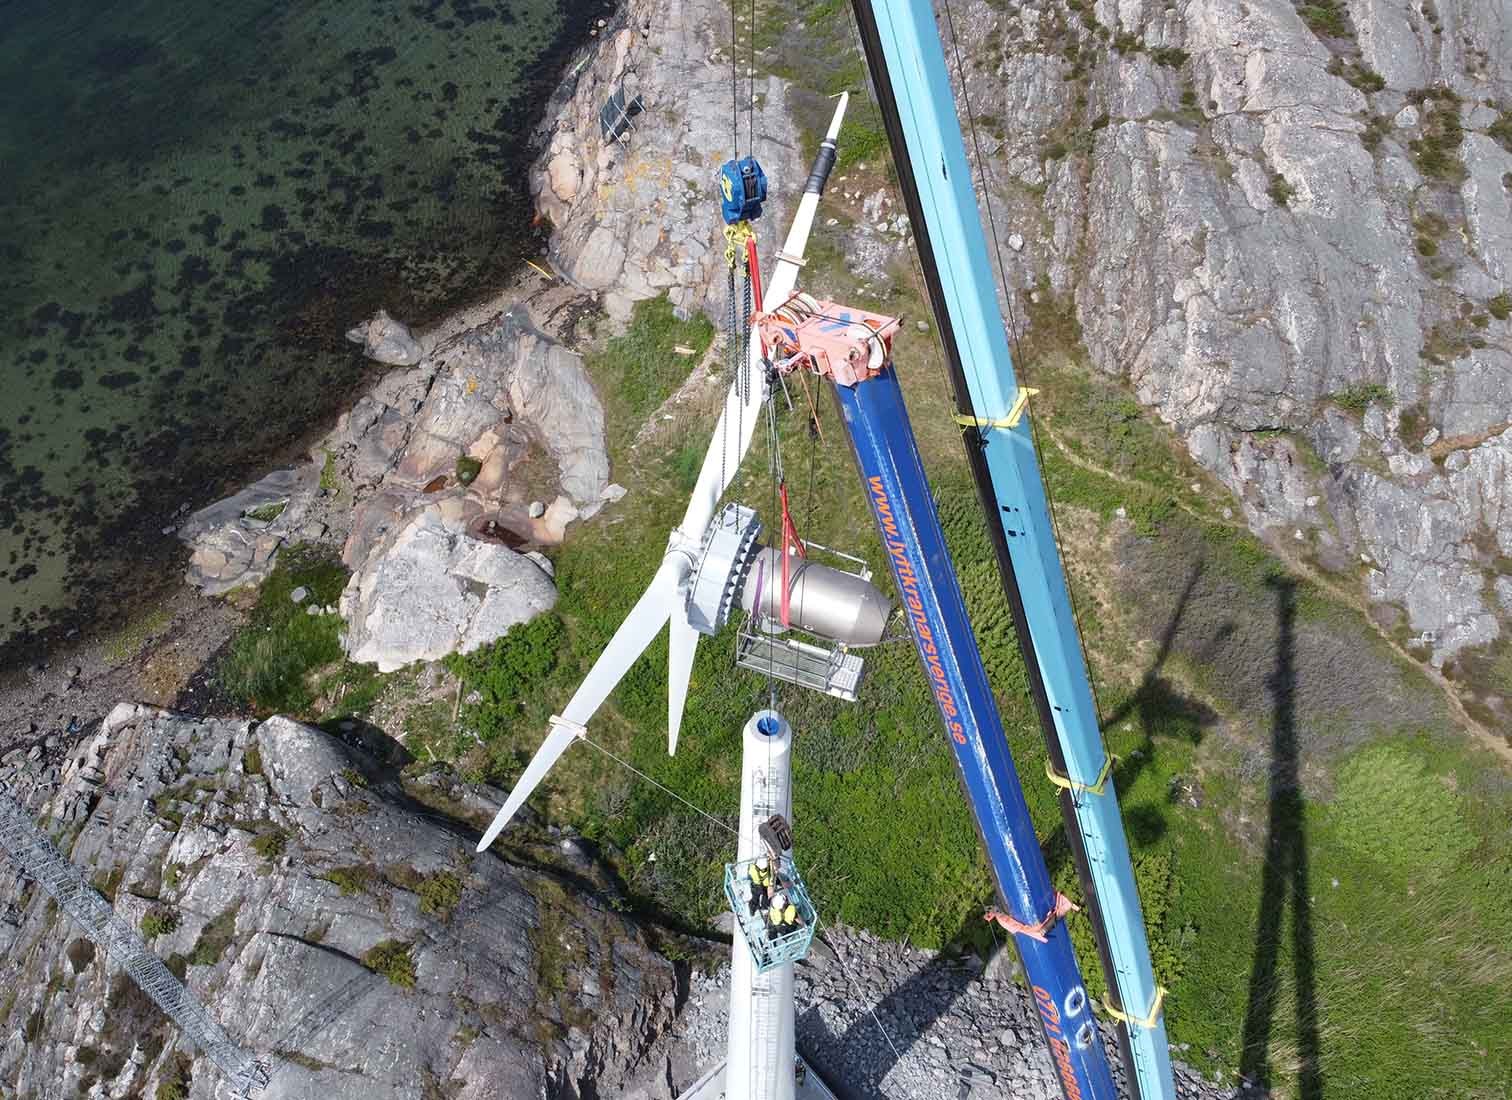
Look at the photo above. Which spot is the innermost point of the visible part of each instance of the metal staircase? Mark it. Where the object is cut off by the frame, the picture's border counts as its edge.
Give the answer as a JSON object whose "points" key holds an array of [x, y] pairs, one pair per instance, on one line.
{"points": [[35, 857]]}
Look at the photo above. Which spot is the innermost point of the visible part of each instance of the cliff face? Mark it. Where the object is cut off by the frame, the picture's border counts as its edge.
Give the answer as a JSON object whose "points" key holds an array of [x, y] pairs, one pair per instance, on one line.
{"points": [[1290, 228], [633, 218], [330, 921]]}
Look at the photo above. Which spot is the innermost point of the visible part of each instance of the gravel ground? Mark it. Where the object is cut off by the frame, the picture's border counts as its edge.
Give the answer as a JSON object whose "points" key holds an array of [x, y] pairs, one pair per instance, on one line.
{"points": [[942, 1030]]}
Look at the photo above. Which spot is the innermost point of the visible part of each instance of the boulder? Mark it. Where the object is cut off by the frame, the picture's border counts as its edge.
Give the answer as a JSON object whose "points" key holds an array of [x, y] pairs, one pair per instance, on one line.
{"points": [[230, 546], [428, 589], [385, 340]]}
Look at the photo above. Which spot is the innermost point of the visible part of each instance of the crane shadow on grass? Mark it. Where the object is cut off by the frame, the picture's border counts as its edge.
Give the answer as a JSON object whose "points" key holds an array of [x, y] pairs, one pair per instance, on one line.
{"points": [[1284, 882]]}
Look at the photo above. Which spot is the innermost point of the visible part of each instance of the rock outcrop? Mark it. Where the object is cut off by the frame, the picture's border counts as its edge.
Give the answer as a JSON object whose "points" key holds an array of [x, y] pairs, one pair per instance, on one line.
{"points": [[1289, 227], [636, 218], [385, 340], [236, 540], [430, 480], [324, 916], [428, 590]]}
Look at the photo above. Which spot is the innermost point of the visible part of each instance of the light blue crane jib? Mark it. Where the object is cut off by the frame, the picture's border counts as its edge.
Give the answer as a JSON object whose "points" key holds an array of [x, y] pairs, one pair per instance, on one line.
{"points": [[897, 491], [920, 82]]}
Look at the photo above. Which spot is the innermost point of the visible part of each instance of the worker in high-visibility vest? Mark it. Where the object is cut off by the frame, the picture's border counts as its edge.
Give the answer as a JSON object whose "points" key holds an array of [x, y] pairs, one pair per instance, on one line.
{"points": [[761, 883], [781, 916]]}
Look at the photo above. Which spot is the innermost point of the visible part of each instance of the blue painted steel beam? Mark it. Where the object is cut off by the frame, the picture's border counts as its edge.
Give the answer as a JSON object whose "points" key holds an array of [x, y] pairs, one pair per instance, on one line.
{"points": [[903, 42], [897, 490]]}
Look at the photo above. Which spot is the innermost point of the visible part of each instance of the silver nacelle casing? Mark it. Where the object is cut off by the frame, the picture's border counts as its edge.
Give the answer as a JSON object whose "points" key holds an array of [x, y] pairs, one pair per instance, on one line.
{"points": [[733, 567], [827, 602]]}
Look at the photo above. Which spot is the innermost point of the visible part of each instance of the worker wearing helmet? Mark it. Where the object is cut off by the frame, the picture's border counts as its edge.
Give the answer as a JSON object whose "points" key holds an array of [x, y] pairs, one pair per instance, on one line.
{"points": [[781, 916], [761, 883]]}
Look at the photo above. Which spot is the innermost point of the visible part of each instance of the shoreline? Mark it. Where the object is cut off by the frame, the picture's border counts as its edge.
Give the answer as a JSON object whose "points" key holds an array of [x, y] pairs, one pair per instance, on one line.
{"points": [[164, 651], [127, 586], [67, 676]]}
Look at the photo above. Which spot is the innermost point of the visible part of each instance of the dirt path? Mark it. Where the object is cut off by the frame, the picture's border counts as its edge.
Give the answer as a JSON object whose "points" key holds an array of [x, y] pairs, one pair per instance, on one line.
{"points": [[1343, 594]]}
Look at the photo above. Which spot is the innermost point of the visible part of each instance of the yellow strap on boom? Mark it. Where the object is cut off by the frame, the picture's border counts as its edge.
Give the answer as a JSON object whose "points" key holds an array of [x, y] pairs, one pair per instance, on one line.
{"points": [[1072, 785], [1015, 414], [1149, 1021]]}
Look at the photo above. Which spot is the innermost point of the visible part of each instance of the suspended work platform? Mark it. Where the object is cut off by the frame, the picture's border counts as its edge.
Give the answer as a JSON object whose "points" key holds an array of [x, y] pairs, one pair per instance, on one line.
{"points": [[769, 950], [834, 671]]}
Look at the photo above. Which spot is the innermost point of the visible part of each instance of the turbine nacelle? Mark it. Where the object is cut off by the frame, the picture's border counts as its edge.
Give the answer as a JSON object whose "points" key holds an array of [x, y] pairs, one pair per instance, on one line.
{"points": [[736, 570]]}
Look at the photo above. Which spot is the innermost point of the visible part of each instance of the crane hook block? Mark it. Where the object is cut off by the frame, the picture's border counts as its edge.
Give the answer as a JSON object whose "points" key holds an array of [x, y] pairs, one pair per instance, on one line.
{"points": [[742, 190]]}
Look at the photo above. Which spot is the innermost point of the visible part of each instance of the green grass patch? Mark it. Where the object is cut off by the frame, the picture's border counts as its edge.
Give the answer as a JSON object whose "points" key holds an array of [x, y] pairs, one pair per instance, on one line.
{"points": [[636, 372], [252, 761], [468, 469], [330, 481], [270, 843], [1377, 127], [358, 878], [505, 671], [1436, 150], [213, 939], [393, 960], [1280, 190], [124, 644], [267, 513], [270, 659], [1329, 18], [1388, 807], [175, 1082], [1360, 396], [1500, 307], [1501, 130]]}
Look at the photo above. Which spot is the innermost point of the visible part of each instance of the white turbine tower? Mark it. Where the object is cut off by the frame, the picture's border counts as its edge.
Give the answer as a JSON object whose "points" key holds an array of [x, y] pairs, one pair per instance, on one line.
{"points": [[759, 1065], [664, 599]]}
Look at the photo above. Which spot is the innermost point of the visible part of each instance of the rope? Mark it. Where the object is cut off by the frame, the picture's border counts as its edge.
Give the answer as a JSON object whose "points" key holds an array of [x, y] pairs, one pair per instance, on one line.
{"points": [[660, 786], [734, 85], [751, 69]]}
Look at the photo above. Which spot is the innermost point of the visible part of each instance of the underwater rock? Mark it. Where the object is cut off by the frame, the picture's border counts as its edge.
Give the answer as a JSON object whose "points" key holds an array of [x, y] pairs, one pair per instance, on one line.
{"points": [[385, 340]]}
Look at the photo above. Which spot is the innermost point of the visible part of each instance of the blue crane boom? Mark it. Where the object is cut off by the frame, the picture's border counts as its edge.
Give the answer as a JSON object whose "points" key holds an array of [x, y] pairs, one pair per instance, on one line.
{"points": [[906, 59], [897, 490]]}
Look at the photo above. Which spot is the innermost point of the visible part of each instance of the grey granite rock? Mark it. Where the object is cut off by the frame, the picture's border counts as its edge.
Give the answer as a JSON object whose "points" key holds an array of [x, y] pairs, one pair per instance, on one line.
{"points": [[1233, 312], [276, 942], [637, 219], [428, 589], [385, 340]]}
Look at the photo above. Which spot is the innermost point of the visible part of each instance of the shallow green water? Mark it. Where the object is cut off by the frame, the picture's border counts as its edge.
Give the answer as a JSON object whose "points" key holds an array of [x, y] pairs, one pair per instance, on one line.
{"points": [[196, 200]]}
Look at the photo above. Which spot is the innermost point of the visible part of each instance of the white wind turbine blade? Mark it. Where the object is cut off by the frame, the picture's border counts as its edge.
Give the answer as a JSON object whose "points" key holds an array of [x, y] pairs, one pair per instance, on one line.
{"points": [[637, 632], [737, 421], [737, 426], [683, 644]]}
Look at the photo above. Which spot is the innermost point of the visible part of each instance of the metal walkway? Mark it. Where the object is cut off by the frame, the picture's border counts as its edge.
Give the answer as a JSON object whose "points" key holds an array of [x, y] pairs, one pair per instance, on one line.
{"points": [[35, 857]]}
